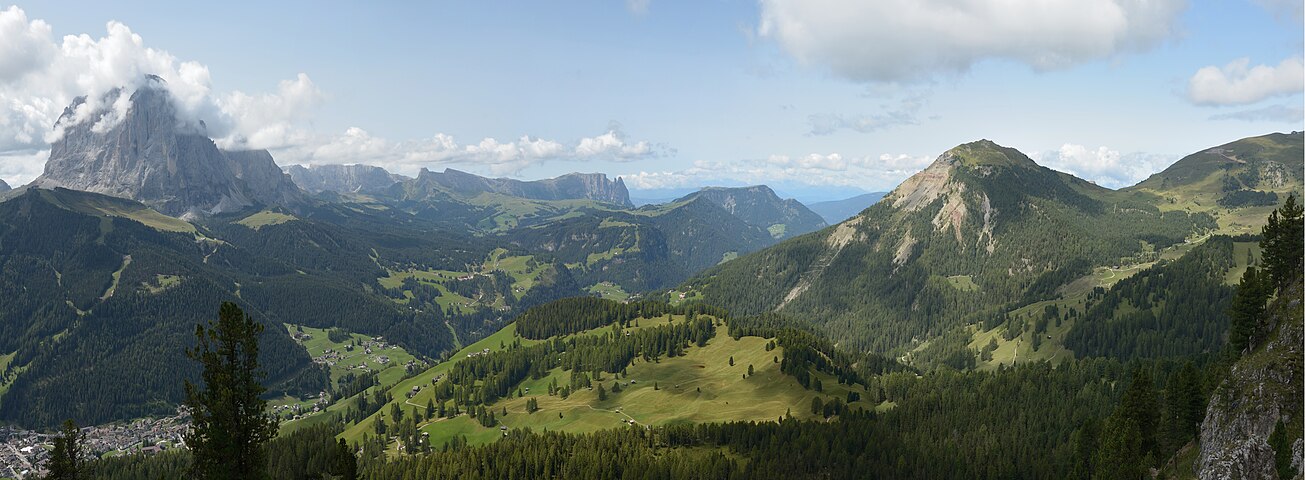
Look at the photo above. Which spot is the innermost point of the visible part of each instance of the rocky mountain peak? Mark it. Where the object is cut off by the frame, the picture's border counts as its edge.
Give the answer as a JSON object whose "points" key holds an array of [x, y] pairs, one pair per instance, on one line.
{"points": [[143, 152]]}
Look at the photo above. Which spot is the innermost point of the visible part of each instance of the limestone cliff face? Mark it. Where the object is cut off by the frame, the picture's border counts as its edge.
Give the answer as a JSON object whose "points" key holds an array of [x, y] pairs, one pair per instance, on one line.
{"points": [[1262, 388], [342, 178], [148, 156]]}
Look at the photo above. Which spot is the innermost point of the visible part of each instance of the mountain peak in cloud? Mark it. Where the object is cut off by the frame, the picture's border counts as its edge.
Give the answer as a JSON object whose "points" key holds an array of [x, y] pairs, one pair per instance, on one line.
{"points": [[130, 144]]}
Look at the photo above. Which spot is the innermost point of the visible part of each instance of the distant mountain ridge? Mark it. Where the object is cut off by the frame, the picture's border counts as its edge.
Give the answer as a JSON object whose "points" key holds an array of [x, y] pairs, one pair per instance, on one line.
{"points": [[760, 207], [572, 186], [342, 178], [148, 156], [4, 187], [835, 211]]}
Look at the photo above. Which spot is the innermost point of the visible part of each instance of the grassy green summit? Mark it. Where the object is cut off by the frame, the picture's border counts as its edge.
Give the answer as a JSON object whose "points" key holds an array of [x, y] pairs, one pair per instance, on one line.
{"points": [[988, 153]]}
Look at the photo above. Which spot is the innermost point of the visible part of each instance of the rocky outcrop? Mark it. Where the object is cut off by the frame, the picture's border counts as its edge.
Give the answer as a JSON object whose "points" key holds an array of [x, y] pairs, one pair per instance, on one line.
{"points": [[149, 155], [342, 178], [759, 206], [572, 186], [4, 187], [1262, 388]]}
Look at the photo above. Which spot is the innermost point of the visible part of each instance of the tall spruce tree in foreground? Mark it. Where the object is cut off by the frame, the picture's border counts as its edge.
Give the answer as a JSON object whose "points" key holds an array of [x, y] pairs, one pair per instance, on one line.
{"points": [[1247, 310], [65, 461], [1284, 243], [229, 421]]}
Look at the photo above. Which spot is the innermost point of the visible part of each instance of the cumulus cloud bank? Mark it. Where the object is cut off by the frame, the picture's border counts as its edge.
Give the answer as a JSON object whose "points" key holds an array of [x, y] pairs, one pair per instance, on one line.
{"points": [[499, 157], [41, 75], [1238, 83], [1103, 165], [894, 40]]}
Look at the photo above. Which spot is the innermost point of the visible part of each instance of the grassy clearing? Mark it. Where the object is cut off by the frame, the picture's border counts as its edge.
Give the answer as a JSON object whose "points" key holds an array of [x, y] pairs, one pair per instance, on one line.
{"points": [[609, 290], [1020, 349], [265, 218], [678, 297], [117, 275], [161, 283], [777, 230], [1245, 254], [728, 256], [964, 283]]}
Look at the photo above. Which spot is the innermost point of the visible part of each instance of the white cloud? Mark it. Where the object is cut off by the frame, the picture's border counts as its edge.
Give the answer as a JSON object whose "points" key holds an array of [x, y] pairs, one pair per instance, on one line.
{"points": [[1103, 165], [41, 75], [1271, 113], [893, 40], [1238, 83], [499, 157], [612, 145], [18, 168], [815, 169]]}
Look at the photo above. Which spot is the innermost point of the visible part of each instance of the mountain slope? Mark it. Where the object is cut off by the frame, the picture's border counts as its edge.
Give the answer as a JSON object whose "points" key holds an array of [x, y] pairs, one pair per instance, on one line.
{"points": [[981, 212], [147, 155], [758, 206], [4, 187], [1238, 182], [835, 211]]}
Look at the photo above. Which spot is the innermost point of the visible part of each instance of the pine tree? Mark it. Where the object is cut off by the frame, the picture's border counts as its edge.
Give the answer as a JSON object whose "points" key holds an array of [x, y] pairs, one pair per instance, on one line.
{"points": [[1283, 243], [229, 423], [65, 461], [1119, 455], [346, 465], [1247, 310], [602, 393]]}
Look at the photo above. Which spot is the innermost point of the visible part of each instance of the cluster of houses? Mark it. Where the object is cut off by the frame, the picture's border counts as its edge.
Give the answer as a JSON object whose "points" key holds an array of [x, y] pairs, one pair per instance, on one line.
{"points": [[23, 453], [296, 411]]}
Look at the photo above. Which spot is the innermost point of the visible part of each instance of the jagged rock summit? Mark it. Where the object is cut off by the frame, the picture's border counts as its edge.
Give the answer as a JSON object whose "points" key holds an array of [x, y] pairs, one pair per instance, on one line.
{"points": [[150, 156]]}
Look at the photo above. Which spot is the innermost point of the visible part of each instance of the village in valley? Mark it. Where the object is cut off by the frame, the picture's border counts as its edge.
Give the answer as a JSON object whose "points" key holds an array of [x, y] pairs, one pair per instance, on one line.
{"points": [[23, 453]]}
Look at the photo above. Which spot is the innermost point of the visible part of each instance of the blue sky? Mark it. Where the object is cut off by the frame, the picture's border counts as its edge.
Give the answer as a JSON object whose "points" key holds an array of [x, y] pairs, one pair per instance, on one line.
{"points": [[819, 98]]}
